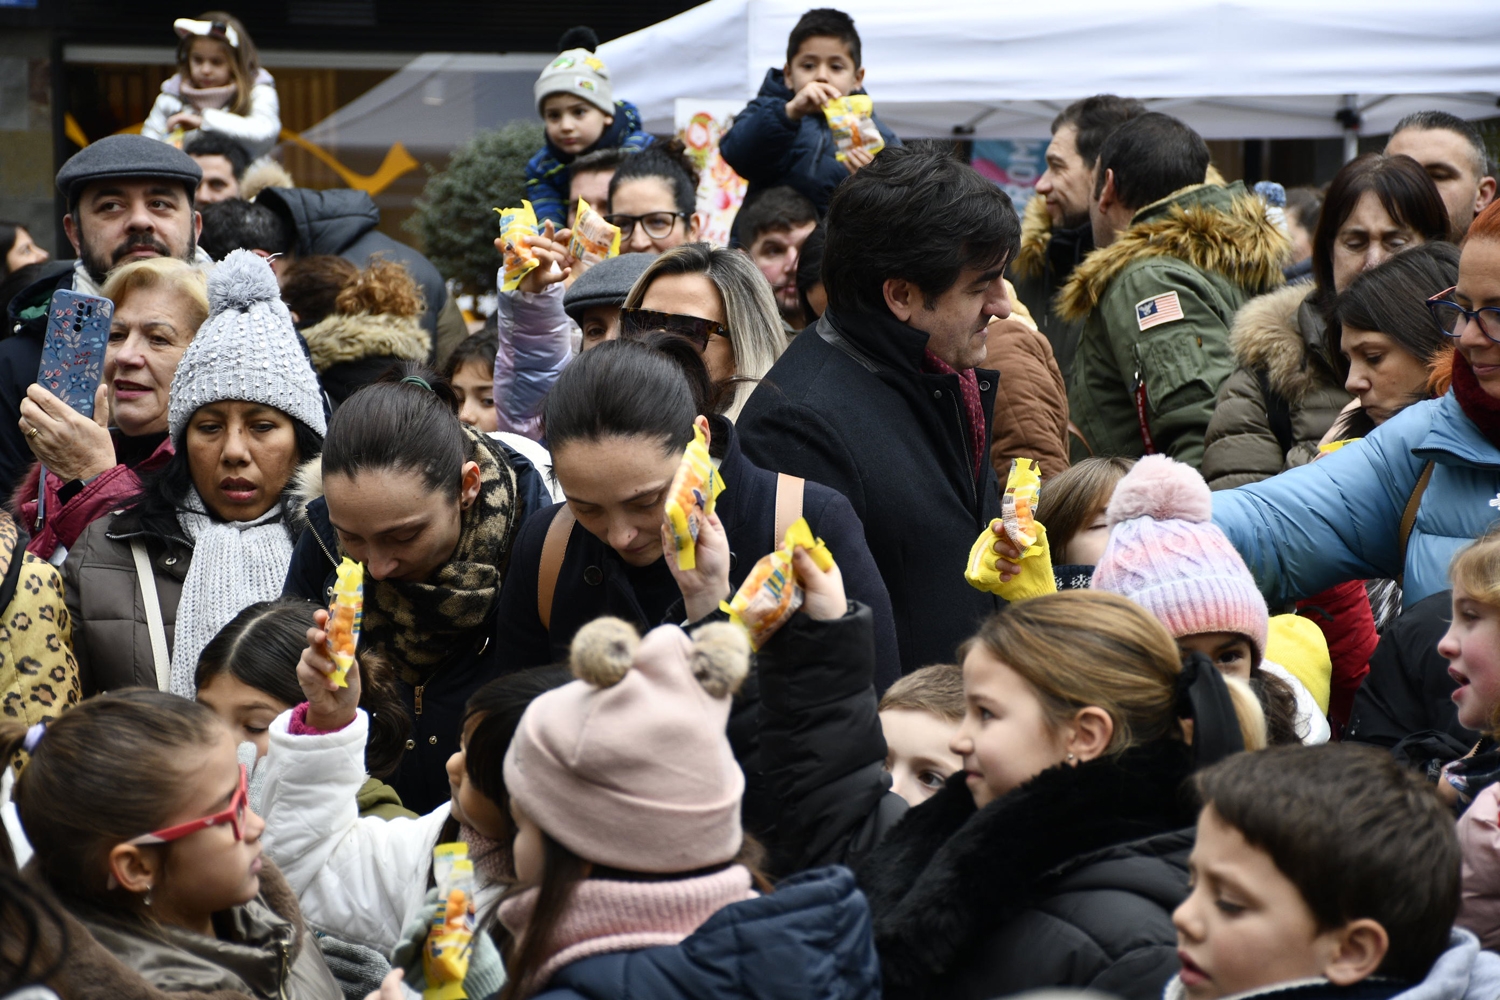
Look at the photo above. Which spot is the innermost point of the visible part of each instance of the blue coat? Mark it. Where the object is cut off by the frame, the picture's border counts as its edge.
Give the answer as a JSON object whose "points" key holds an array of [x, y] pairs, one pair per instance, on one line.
{"points": [[550, 172], [1339, 518], [810, 940], [768, 149]]}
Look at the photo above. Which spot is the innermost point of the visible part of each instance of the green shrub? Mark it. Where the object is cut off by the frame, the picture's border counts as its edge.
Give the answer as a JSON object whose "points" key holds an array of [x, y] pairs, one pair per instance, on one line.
{"points": [[454, 217]]}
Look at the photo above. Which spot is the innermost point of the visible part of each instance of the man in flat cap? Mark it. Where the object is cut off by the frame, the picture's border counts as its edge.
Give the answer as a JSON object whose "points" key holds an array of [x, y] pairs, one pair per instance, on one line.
{"points": [[129, 197]]}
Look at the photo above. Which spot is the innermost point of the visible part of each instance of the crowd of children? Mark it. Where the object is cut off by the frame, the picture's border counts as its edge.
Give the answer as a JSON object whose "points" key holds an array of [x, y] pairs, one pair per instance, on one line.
{"points": [[590, 747]]}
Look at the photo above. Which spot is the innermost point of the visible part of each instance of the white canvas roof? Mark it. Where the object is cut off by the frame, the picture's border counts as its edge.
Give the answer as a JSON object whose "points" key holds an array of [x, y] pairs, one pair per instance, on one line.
{"points": [[1229, 68]]}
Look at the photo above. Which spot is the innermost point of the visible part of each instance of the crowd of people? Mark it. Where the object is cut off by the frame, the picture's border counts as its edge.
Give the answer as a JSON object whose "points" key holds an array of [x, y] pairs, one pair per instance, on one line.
{"points": [[1222, 726]]}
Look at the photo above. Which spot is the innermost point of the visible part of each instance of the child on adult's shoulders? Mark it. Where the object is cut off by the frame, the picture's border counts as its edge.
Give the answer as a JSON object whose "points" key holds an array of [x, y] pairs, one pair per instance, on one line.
{"points": [[1322, 872]]}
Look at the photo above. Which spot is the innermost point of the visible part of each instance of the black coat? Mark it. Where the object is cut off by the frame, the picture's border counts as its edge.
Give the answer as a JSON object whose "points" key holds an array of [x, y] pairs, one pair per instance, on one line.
{"points": [[594, 581], [1407, 696], [20, 358], [848, 405], [1070, 880], [342, 223], [422, 778]]}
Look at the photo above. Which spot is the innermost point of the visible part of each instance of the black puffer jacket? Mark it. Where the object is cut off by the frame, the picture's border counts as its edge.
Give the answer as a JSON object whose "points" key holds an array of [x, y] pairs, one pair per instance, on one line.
{"points": [[1070, 880]]}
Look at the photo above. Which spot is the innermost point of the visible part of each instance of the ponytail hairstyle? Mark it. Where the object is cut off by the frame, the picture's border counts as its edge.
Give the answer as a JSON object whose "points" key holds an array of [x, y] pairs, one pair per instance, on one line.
{"points": [[244, 60], [400, 425], [260, 647], [1082, 648], [106, 771], [653, 387], [668, 162], [751, 316], [33, 932]]}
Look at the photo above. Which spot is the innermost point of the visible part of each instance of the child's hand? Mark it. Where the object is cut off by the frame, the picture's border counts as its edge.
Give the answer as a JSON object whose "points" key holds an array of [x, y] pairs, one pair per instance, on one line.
{"points": [[858, 157], [706, 585], [823, 596], [185, 120], [329, 707], [810, 99], [390, 987], [1010, 556]]}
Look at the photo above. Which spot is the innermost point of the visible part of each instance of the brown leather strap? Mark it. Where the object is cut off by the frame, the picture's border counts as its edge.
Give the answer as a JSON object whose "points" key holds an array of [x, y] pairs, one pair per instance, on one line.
{"points": [[554, 549], [1409, 515], [788, 503]]}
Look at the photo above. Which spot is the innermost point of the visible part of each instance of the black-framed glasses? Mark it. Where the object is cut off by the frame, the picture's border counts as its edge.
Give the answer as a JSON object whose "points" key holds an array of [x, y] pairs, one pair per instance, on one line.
{"points": [[636, 323], [658, 225], [1450, 316]]}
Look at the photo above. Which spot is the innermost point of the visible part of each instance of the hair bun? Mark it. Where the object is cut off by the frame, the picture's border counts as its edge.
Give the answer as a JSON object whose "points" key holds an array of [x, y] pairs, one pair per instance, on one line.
{"points": [[1162, 489], [602, 651], [239, 281], [721, 658]]}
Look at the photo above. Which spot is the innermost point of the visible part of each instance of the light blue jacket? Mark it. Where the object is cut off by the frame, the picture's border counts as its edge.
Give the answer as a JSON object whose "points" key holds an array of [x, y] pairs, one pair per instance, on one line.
{"points": [[1339, 518]]}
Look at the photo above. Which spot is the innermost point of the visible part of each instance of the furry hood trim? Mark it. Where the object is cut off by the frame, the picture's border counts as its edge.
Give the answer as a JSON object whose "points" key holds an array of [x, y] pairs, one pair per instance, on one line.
{"points": [[1036, 233], [1223, 230], [339, 337]]}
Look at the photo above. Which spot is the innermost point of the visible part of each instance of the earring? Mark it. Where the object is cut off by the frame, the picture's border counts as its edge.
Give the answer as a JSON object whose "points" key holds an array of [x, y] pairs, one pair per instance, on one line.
{"points": [[146, 897], [1070, 757]]}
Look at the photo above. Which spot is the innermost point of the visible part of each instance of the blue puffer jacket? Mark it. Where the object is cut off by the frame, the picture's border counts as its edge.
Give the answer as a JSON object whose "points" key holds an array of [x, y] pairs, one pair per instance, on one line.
{"points": [[769, 149], [1339, 518], [810, 940], [550, 172]]}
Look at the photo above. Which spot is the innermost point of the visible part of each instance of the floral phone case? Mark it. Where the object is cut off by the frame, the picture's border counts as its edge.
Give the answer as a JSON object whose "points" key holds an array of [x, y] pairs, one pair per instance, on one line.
{"points": [[73, 353]]}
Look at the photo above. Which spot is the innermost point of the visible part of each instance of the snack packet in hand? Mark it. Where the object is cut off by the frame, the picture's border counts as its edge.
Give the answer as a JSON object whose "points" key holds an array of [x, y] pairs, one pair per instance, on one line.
{"points": [[445, 958], [520, 260], [852, 127], [344, 618], [770, 594], [1018, 505], [1018, 522], [695, 488], [593, 238]]}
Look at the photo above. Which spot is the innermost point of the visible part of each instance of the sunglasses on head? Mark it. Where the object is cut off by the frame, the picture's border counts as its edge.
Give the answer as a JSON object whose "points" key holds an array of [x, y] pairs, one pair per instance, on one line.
{"points": [[636, 323]]}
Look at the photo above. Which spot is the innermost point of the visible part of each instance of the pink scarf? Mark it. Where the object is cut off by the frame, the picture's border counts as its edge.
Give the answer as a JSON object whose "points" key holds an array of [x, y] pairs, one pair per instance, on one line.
{"points": [[606, 915], [207, 98]]}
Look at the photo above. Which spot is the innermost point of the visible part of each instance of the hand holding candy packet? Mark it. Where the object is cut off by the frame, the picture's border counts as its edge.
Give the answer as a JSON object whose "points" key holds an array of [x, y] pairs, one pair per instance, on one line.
{"points": [[345, 616], [520, 260], [445, 959], [695, 489], [1018, 523], [851, 121], [771, 594], [593, 238]]}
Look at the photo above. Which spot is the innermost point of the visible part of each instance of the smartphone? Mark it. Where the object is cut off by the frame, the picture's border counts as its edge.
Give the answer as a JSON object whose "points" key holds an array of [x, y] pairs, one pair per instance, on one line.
{"points": [[73, 353]]}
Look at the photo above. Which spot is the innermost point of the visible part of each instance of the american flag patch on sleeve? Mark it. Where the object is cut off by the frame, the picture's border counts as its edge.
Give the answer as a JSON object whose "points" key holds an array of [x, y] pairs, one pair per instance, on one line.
{"points": [[1157, 310]]}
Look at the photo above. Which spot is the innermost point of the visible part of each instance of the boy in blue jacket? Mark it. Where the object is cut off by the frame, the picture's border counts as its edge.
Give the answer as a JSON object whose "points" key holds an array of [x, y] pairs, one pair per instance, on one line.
{"points": [[782, 136], [576, 100]]}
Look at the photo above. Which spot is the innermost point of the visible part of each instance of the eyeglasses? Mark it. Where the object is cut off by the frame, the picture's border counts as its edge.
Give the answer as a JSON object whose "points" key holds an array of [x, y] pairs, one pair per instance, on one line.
{"points": [[234, 816], [658, 225], [636, 323], [1450, 316]]}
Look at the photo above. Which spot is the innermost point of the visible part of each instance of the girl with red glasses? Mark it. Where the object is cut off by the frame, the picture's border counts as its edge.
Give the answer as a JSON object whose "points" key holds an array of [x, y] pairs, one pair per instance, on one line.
{"points": [[136, 808]]}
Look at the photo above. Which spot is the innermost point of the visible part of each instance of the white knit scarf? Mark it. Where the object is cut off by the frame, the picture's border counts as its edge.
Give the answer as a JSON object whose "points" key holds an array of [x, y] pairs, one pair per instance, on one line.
{"points": [[234, 565]]}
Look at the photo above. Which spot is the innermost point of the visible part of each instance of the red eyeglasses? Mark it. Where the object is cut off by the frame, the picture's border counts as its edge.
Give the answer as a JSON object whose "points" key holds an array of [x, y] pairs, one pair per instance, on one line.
{"points": [[234, 816]]}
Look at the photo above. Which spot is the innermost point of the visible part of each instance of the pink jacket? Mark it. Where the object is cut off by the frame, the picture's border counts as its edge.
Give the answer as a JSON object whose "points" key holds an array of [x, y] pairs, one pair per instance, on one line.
{"points": [[66, 521], [1479, 837]]}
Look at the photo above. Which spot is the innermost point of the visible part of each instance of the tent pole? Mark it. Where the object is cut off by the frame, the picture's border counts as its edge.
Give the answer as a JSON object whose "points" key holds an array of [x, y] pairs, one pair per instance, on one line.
{"points": [[1348, 116]]}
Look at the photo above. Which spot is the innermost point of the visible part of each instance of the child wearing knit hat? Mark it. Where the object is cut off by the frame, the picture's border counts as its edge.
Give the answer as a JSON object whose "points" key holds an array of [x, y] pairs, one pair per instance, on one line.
{"points": [[629, 850], [1166, 554], [576, 100]]}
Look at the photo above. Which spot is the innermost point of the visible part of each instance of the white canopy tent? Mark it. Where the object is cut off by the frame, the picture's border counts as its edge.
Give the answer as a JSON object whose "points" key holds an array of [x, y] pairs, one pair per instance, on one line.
{"points": [[1002, 70]]}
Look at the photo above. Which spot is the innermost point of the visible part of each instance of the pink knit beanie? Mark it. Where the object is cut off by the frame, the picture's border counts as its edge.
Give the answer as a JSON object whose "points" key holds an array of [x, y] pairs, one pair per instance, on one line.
{"points": [[629, 765], [1166, 554]]}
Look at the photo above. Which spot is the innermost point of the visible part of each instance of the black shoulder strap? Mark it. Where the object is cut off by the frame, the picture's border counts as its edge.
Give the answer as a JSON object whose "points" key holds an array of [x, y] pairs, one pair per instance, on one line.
{"points": [[1278, 411], [13, 572]]}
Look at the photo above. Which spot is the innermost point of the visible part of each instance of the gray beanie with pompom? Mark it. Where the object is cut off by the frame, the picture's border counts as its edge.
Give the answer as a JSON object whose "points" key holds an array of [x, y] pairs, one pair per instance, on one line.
{"points": [[246, 350]]}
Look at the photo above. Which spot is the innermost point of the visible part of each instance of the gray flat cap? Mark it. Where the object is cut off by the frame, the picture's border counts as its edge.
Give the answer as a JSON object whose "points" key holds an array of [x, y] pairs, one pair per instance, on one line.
{"points": [[127, 156], [606, 283]]}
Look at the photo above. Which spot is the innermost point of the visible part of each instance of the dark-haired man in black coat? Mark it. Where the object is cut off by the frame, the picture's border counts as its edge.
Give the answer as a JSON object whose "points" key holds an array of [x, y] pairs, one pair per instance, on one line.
{"points": [[881, 399]]}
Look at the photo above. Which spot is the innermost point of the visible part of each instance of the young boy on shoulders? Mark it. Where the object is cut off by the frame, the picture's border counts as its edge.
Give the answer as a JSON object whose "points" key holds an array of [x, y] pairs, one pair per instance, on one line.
{"points": [[782, 136], [1322, 872]]}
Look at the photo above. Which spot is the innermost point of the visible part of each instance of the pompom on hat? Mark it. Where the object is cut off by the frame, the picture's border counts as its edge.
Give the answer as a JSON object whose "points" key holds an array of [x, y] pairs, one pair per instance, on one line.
{"points": [[1166, 554], [629, 765], [246, 350]]}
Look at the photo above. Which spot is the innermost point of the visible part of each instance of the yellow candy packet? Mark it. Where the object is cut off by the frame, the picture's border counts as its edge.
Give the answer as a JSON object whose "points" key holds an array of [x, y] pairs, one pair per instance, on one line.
{"points": [[445, 956], [520, 260], [345, 615], [695, 489], [770, 594], [1018, 505], [850, 121], [593, 238]]}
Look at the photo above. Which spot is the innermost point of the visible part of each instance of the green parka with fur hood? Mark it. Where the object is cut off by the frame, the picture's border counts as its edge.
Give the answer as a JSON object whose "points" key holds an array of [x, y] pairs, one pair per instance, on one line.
{"points": [[1156, 307], [1277, 338]]}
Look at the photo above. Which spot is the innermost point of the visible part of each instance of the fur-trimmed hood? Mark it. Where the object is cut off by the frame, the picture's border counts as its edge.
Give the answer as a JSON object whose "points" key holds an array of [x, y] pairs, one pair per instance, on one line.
{"points": [[1223, 230], [264, 173], [341, 337], [948, 876], [1036, 233], [1271, 332]]}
